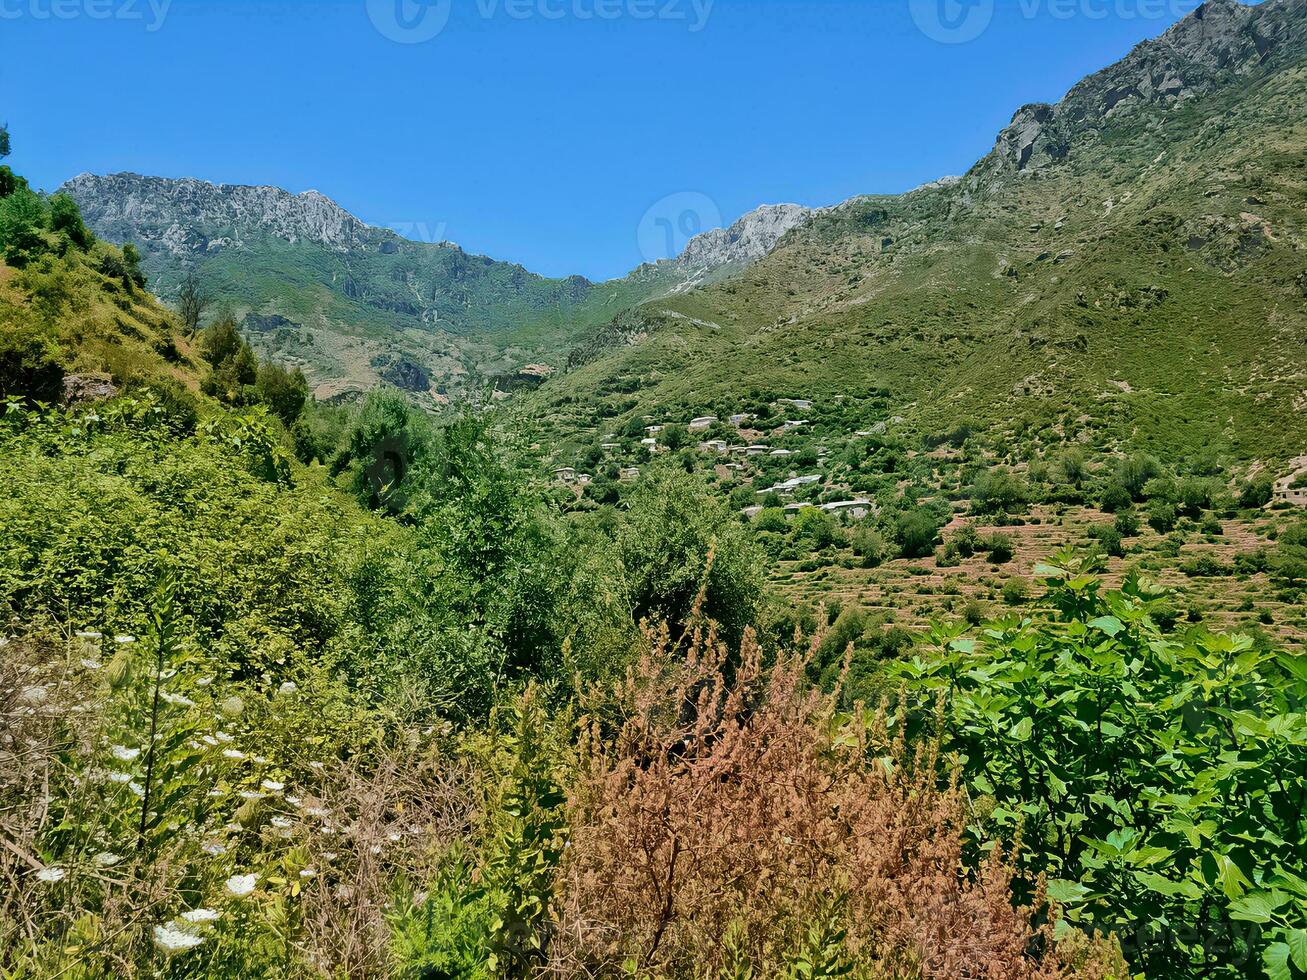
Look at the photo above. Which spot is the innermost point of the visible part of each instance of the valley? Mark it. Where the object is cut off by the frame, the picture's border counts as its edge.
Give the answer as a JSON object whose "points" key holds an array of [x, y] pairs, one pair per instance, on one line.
{"points": [[910, 587]]}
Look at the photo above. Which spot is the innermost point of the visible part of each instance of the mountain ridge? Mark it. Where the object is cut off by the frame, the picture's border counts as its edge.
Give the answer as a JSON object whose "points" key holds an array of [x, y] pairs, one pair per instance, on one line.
{"points": [[1134, 262]]}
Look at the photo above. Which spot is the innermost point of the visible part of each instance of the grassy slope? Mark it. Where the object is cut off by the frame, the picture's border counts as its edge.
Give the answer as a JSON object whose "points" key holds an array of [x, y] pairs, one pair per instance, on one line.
{"points": [[464, 318], [99, 324], [1136, 333]]}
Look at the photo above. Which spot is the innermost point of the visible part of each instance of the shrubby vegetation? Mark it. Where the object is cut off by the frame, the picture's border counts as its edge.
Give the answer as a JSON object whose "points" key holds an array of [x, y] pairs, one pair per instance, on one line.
{"points": [[295, 690]]}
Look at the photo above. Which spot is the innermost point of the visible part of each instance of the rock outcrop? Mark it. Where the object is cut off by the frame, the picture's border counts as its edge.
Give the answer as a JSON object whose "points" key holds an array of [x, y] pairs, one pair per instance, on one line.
{"points": [[187, 216], [1215, 44]]}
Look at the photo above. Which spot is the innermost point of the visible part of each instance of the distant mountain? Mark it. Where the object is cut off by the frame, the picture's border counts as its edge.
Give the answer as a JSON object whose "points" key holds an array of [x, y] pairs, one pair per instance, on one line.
{"points": [[721, 252], [354, 304], [1128, 266]]}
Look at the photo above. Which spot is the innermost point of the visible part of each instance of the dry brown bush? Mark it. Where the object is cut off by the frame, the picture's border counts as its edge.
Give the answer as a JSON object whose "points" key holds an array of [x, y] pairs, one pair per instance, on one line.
{"points": [[391, 822], [715, 820]]}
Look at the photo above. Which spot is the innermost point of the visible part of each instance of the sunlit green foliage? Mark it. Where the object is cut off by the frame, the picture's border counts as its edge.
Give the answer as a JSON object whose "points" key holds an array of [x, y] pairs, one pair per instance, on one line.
{"points": [[1157, 779]]}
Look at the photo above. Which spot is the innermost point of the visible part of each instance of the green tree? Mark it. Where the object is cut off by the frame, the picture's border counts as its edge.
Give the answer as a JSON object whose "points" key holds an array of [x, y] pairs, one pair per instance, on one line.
{"points": [[674, 523], [284, 392], [1134, 472], [916, 532], [1256, 494], [66, 219], [999, 491], [816, 527]]}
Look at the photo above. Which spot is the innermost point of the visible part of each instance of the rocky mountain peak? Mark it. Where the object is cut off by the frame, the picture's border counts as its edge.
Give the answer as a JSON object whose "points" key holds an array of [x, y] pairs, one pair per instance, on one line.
{"points": [[747, 240], [187, 215], [1217, 43]]}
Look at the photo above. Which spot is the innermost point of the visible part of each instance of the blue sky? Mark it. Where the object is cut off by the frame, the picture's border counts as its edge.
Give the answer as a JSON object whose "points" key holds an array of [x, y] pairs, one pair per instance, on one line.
{"points": [[573, 136]]}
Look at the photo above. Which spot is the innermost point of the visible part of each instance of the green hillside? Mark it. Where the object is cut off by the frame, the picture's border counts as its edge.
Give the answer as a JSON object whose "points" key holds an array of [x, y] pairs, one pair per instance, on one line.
{"points": [[1138, 281], [349, 304]]}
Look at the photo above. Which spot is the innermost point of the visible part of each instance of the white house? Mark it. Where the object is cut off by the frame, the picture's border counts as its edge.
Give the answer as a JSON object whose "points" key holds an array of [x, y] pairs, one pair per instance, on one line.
{"points": [[702, 422], [789, 486], [857, 509]]}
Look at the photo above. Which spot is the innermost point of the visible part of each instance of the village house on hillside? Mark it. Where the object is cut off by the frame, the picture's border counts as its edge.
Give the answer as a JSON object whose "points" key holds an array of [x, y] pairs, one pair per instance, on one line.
{"points": [[1284, 492]]}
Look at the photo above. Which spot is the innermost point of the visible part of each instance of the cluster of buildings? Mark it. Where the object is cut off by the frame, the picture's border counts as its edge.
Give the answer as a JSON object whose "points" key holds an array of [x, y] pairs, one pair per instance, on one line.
{"points": [[736, 459]]}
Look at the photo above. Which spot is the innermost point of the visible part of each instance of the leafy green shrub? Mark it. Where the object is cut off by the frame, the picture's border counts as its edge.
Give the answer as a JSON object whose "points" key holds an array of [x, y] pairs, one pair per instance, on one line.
{"points": [[999, 491], [1001, 548], [916, 532], [1115, 498], [30, 363], [1108, 540], [1205, 566], [1093, 734], [1126, 523], [1161, 516], [814, 527], [966, 540], [869, 545], [1015, 591], [1256, 494]]}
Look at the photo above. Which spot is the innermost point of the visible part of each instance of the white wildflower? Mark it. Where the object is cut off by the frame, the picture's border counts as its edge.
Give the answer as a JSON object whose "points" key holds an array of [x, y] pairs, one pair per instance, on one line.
{"points": [[213, 848], [233, 754], [242, 885], [137, 788], [288, 687], [224, 737], [282, 823], [124, 754], [272, 786], [120, 777], [51, 875], [317, 765], [124, 639], [201, 916], [249, 794], [105, 859], [89, 635], [178, 699], [204, 682], [172, 940], [309, 873], [259, 760], [90, 664], [210, 741], [294, 801]]}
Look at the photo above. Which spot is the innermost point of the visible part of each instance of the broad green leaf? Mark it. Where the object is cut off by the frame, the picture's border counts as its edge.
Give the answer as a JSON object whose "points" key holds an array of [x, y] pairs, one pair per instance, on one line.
{"points": [[1297, 942], [1107, 624], [1165, 886], [1253, 907], [1275, 958], [1066, 892]]}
